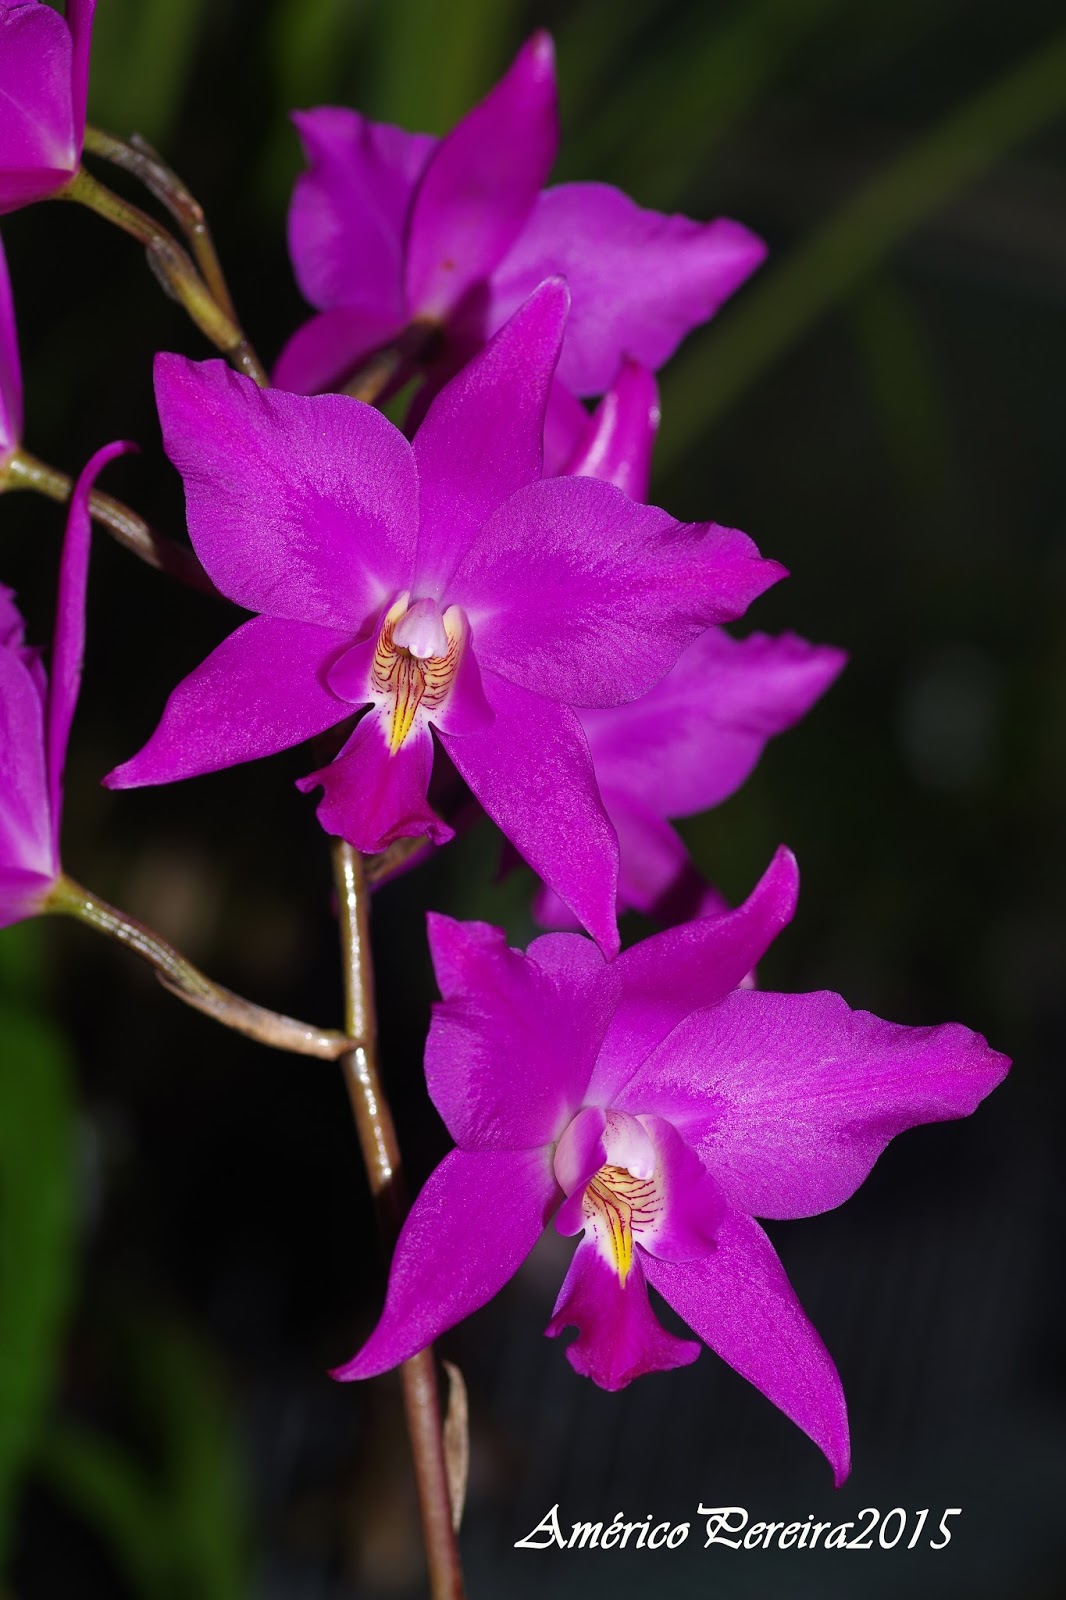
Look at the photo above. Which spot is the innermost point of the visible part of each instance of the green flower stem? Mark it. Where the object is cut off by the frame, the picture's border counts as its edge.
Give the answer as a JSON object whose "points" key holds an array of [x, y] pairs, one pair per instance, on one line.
{"points": [[23, 471], [390, 367], [136, 156], [172, 267], [189, 984], [381, 1155]]}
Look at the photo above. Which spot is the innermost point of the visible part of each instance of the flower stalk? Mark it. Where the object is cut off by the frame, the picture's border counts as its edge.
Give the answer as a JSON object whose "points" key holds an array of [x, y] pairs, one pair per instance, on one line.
{"points": [[381, 1156], [173, 267], [24, 471], [192, 986], [137, 157]]}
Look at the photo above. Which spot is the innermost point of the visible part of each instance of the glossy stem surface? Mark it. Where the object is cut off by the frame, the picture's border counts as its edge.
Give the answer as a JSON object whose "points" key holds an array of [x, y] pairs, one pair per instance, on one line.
{"points": [[24, 471], [190, 984], [377, 1140]]}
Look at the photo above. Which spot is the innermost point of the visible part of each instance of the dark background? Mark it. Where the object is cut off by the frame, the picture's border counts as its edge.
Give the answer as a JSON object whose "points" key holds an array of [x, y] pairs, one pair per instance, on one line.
{"points": [[186, 1243]]}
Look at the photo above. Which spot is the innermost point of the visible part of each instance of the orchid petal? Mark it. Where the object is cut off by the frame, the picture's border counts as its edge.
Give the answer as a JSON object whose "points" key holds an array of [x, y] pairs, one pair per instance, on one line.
{"points": [[532, 773], [580, 594], [481, 184], [543, 1013], [329, 347], [686, 1225], [682, 969], [68, 646], [640, 280], [373, 795], [27, 837], [475, 1221], [740, 1302], [482, 435], [302, 507], [694, 738], [262, 690], [790, 1099], [619, 437], [349, 210], [39, 140], [22, 893], [619, 1336], [10, 368], [79, 14]]}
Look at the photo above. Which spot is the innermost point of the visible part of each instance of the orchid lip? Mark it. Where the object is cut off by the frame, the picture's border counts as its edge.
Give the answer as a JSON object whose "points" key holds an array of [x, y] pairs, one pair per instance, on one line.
{"points": [[416, 661]]}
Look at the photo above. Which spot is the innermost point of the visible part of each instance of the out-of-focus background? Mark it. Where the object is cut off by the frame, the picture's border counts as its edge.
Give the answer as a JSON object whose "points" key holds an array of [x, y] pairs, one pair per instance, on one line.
{"points": [[186, 1243]]}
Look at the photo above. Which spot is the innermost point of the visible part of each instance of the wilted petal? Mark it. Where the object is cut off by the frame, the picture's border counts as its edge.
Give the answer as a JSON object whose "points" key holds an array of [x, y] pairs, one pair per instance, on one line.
{"points": [[481, 183], [740, 1302], [619, 1336], [68, 646], [482, 436], [532, 773], [349, 210], [321, 354], [682, 969], [618, 439], [373, 795], [579, 593], [303, 507], [40, 143], [10, 369], [511, 1047], [693, 739], [640, 280], [790, 1098], [262, 690], [477, 1218]]}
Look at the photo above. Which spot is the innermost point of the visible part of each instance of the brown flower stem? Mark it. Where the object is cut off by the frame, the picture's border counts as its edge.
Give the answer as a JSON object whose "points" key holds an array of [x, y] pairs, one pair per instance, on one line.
{"points": [[24, 471], [172, 267], [381, 1155], [189, 984], [135, 155]]}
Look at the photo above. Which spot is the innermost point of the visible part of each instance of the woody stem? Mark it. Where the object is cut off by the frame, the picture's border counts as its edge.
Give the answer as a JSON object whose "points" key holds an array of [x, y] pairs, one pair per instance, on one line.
{"points": [[381, 1156]]}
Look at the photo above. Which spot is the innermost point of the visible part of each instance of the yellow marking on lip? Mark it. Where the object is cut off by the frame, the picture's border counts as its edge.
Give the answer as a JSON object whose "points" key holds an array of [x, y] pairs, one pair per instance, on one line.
{"points": [[620, 1199], [411, 681]]}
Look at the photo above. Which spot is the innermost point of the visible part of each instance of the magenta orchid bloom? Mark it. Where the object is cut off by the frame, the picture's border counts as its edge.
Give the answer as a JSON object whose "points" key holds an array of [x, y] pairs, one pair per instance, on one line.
{"points": [[10, 373], [444, 584], [44, 81], [389, 228], [691, 741], [657, 1109], [35, 719]]}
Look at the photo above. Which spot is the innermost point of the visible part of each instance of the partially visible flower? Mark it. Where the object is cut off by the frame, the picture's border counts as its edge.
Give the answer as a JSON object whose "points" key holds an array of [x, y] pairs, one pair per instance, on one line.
{"points": [[389, 228], [693, 739], [35, 716], [445, 585], [10, 373], [656, 1108], [44, 80]]}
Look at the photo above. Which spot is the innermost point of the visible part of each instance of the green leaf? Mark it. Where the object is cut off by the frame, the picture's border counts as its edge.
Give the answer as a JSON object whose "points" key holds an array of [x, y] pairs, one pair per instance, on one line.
{"points": [[37, 1236]]}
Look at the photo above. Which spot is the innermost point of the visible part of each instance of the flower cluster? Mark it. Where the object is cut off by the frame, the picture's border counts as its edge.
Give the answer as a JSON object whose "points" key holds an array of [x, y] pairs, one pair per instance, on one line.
{"points": [[488, 591]]}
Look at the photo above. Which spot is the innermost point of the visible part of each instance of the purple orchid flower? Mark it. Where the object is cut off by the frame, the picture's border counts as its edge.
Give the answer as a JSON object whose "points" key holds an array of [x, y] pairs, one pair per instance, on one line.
{"points": [[444, 584], [691, 741], [10, 372], [389, 228], [658, 1109], [44, 81], [35, 718]]}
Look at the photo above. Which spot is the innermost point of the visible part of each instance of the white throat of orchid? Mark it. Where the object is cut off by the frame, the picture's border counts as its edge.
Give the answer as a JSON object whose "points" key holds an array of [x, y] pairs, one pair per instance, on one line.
{"points": [[623, 1198], [416, 661]]}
